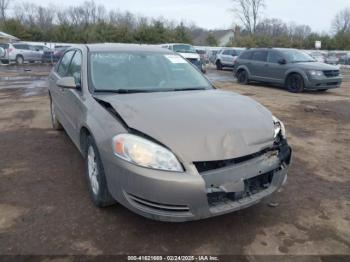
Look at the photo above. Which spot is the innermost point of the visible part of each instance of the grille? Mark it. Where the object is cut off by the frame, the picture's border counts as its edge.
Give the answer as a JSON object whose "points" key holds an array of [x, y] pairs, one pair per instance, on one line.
{"points": [[203, 166], [158, 206], [331, 73], [252, 186]]}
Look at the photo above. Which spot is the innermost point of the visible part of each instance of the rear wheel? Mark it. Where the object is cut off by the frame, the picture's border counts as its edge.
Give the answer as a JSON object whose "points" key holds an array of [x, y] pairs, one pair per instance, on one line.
{"points": [[218, 65], [19, 60], [242, 77], [5, 61], [295, 83], [99, 193]]}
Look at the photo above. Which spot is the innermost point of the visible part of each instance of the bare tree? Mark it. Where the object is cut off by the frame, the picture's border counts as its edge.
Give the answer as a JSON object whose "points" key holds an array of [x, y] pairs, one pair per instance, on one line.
{"points": [[248, 12], [341, 22], [4, 5]]}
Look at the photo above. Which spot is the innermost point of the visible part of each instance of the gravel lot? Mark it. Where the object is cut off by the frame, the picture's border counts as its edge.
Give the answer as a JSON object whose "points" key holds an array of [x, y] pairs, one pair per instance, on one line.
{"points": [[45, 208]]}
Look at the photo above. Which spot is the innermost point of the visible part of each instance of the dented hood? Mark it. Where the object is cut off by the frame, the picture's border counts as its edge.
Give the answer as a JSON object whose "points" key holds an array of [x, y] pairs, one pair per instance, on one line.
{"points": [[198, 125]]}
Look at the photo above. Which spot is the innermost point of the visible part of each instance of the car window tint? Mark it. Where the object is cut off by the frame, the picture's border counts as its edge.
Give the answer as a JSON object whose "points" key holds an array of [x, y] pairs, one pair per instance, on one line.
{"points": [[227, 52], [75, 68], [64, 64], [23, 47], [5, 46], [260, 56], [246, 55], [274, 57]]}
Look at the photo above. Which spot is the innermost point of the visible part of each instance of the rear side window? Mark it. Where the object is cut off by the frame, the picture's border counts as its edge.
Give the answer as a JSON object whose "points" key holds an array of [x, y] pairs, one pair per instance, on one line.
{"points": [[75, 68], [65, 62], [246, 55], [22, 47], [259, 56], [227, 52], [5, 46], [274, 57]]}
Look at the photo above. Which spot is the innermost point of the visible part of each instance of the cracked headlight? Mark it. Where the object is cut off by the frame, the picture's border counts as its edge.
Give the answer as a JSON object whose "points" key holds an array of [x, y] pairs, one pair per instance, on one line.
{"points": [[279, 127], [145, 153], [315, 73]]}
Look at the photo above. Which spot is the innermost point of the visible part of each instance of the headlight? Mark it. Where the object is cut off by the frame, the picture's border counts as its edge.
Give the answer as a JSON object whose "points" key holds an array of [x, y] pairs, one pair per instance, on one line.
{"points": [[279, 127], [146, 153], [315, 73]]}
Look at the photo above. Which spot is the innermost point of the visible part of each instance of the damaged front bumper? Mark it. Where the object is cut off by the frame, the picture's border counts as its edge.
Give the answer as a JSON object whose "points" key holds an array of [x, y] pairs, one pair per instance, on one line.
{"points": [[204, 190]]}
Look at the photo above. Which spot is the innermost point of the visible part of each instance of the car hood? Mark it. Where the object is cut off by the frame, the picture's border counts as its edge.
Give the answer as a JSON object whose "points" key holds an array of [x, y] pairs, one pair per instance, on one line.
{"points": [[198, 125], [317, 66]]}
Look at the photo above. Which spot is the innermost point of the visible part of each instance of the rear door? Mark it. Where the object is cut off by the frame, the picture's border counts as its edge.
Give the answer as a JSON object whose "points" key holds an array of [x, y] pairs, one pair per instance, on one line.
{"points": [[258, 64]]}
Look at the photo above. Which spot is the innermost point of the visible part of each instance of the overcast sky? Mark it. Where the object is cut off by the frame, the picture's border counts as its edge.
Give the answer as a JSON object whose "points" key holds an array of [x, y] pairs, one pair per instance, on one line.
{"points": [[214, 14]]}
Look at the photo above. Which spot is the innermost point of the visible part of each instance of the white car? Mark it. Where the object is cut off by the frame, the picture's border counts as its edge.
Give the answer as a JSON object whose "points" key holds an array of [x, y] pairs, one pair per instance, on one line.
{"points": [[226, 57], [20, 53], [188, 52]]}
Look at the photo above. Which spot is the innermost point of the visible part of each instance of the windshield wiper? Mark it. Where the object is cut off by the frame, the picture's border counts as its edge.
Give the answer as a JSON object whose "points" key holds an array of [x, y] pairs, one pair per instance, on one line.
{"points": [[123, 91], [189, 89]]}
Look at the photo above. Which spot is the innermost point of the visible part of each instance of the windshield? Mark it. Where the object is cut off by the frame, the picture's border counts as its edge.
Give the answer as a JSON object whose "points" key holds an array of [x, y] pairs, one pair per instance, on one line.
{"points": [[184, 49], [143, 71], [295, 56]]}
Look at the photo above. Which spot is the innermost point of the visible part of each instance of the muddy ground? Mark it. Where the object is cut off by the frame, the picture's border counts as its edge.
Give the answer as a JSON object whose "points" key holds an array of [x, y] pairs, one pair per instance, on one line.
{"points": [[45, 208]]}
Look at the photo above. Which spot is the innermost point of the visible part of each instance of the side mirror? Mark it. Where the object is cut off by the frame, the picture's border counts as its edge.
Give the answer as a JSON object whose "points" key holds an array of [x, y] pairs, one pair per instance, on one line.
{"points": [[282, 61], [67, 82], [2, 51]]}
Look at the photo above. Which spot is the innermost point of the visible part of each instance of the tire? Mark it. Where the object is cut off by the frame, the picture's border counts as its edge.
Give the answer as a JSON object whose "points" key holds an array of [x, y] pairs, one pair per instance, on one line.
{"points": [[19, 60], [54, 121], [99, 193], [242, 77], [322, 90], [31, 61], [218, 65], [5, 61], [295, 83]]}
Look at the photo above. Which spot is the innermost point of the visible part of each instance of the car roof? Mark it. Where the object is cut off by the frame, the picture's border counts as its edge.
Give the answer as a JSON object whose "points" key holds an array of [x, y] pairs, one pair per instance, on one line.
{"points": [[126, 47]]}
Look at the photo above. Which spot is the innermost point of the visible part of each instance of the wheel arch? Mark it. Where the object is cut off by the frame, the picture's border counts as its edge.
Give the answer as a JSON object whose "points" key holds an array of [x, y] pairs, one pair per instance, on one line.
{"points": [[295, 71], [84, 133]]}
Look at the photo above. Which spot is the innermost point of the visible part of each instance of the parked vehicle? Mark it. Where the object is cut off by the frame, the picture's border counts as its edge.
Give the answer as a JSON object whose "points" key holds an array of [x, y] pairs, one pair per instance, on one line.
{"points": [[45, 52], [226, 57], [292, 68], [54, 55], [212, 56], [155, 134], [203, 55], [318, 56], [332, 59], [20, 53], [189, 52]]}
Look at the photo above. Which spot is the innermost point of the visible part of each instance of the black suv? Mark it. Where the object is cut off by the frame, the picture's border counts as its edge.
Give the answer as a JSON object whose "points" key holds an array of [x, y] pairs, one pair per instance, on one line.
{"points": [[292, 68]]}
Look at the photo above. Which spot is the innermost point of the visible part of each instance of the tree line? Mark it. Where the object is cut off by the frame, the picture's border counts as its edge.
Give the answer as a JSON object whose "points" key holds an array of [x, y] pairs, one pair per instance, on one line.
{"points": [[90, 23]]}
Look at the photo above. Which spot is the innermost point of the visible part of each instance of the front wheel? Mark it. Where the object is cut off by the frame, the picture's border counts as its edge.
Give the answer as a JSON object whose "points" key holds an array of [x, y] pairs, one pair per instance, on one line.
{"points": [[54, 121], [99, 193], [295, 83]]}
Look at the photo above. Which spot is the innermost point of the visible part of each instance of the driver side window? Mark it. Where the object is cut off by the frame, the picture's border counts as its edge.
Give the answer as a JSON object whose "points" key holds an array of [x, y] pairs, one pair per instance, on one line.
{"points": [[74, 69]]}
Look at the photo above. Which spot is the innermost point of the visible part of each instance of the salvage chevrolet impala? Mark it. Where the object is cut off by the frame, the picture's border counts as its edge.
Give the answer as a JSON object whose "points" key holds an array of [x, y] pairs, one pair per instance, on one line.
{"points": [[158, 138]]}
